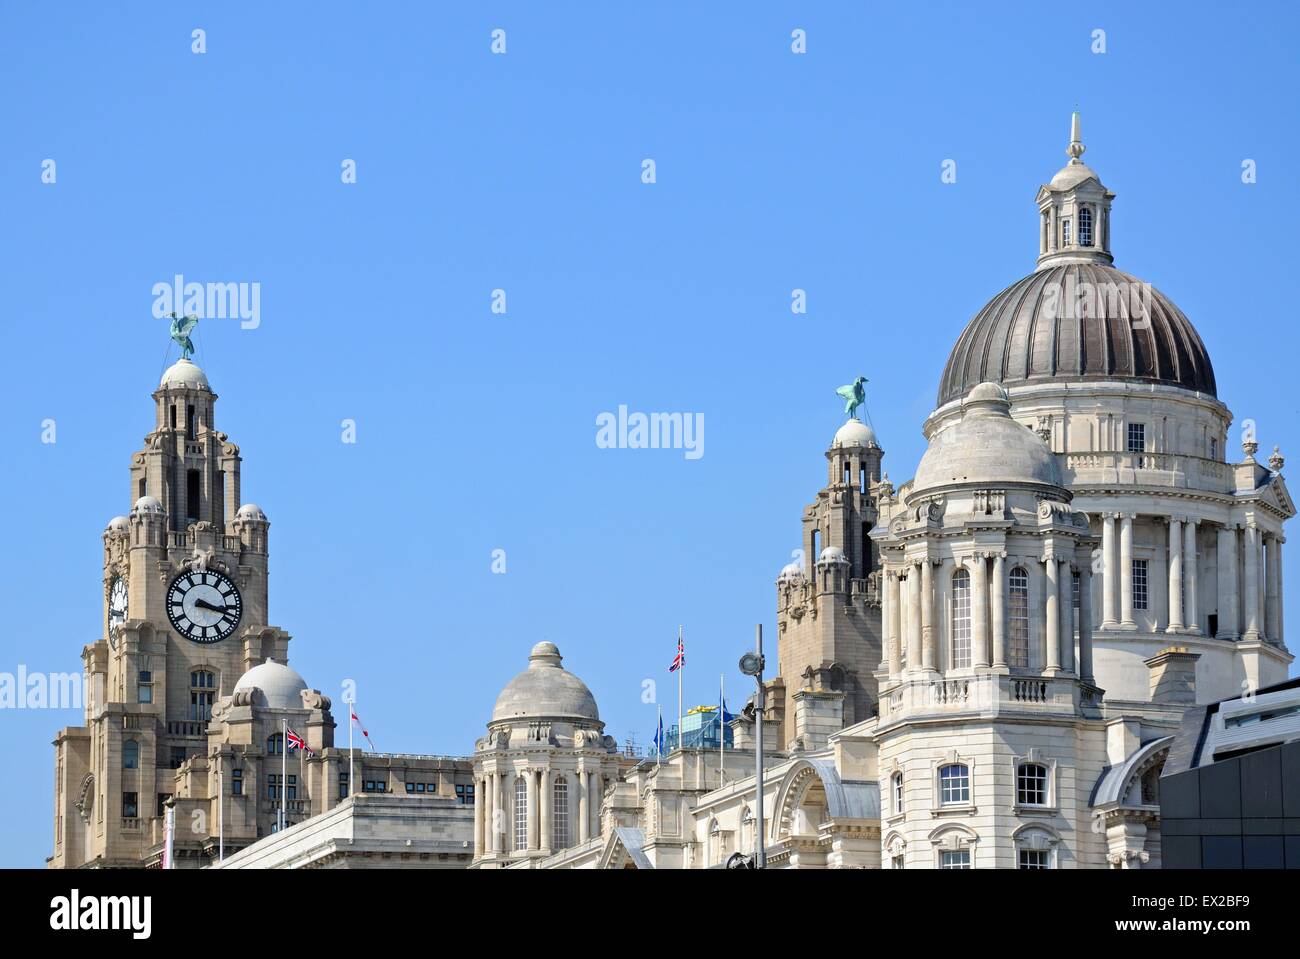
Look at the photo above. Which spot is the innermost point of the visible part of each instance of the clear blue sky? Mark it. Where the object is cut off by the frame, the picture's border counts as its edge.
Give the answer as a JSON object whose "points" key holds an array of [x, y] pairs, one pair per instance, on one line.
{"points": [[522, 172]]}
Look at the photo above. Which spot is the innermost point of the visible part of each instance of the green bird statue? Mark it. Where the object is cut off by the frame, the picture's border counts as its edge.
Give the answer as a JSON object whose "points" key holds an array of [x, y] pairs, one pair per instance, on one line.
{"points": [[181, 327], [854, 396]]}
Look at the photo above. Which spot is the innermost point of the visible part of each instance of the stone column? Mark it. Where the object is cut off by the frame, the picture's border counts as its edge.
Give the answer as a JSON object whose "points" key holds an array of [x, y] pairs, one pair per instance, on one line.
{"points": [[1109, 571], [893, 591], [545, 799], [594, 779], [998, 599], [479, 808], [1175, 574], [1191, 613], [928, 629], [498, 814], [914, 616], [1066, 605], [1250, 582], [583, 812], [1085, 621], [1273, 587], [979, 611], [1052, 616], [531, 793], [1126, 570], [1259, 593], [1229, 617]]}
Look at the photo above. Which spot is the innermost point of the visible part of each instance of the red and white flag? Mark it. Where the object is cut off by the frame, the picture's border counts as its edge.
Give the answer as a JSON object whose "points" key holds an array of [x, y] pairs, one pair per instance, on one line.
{"points": [[680, 659], [364, 732]]}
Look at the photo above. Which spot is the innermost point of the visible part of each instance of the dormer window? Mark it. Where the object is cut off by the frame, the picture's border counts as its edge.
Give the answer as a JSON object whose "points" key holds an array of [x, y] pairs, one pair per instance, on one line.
{"points": [[1065, 232], [1085, 227]]}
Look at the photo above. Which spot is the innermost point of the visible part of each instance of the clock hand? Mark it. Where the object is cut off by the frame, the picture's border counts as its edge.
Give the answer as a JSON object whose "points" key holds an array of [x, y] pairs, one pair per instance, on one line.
{"points": [[204, 604]]}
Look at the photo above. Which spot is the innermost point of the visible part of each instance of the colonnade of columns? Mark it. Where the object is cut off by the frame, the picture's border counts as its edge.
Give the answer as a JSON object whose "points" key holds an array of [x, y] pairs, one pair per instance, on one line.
{"points": [[495, 810], [1248, 578], [911, 640]]}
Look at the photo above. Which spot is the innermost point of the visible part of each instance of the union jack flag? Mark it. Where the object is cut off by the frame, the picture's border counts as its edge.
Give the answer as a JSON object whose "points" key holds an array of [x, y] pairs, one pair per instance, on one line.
{"points": [[297, 742], [680, 659]]}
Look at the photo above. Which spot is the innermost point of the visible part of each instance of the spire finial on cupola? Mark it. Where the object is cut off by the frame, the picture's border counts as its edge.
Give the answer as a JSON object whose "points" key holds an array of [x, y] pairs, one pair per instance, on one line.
{"points": [[1076, 147]]}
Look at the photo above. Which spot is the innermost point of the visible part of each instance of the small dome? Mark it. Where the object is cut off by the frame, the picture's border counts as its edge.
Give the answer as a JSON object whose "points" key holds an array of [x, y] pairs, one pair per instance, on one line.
{"points": [[545, 690], [986, 446], [832, 554], [1071, 175], [147, 504], [854, 433], [184, 375], [119, 524], [279, 686], [789, 572], [250, 511]]}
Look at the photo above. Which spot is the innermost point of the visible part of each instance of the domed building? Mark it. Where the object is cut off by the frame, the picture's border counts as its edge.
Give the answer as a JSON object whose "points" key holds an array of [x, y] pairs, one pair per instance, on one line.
{"points": [[1120, 385], [543, 768]]}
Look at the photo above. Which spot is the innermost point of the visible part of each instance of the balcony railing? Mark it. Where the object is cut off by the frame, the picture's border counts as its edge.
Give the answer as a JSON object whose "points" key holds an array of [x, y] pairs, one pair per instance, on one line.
{"points": [[1148, 469], [987, 693]]}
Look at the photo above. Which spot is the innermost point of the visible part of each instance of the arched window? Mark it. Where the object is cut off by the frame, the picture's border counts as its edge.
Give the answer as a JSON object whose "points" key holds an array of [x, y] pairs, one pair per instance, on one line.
{"points": [[961, 619], [896, 791], [1018, 619], [275, 745], [954, 785], [1085, 226], [130, 754], [203, 685], [521, 814], [1031, 784], [560, 813]]}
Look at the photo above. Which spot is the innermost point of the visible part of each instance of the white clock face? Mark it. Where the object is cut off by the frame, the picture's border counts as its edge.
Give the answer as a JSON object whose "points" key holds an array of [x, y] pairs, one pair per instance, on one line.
{"points": [[204, 606], [117, 608]]}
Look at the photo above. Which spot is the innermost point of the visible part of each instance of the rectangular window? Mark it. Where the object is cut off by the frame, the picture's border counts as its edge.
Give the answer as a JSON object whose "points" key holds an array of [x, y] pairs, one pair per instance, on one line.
{"points": [[236, 782], [193, 485], [130, 807], [410, 787], [191, 423], [144, 686], [1031, 784], [961, 624], [293, 788], [1033, 859], [1137, 437], [898, 862], [1139, 584], [178, 757], [162, 804], [1065, 232], [465, 794], [343, 785], [1074, 586], [959, 859], [273, 786], [954, 785]]}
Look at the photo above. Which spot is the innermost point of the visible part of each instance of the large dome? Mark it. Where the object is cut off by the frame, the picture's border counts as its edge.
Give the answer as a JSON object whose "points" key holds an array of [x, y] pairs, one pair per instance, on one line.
{"points": [[545, 690], [1037, 331], [184, 375]]}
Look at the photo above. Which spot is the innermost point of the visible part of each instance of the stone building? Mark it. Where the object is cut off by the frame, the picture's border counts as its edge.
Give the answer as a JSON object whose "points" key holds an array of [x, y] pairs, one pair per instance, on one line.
{"points": [[984, 667]]}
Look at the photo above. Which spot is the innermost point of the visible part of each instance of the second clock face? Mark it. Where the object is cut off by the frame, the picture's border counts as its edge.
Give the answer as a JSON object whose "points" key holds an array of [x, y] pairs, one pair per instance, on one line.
{"points": [[117, 608], [204, 606]]}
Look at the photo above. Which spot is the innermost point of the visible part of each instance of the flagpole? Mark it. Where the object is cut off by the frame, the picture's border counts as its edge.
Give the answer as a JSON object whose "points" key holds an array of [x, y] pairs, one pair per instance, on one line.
{"points": [[722, 734], [681, 651], [221, 808], [284, 769], [352, 784]]}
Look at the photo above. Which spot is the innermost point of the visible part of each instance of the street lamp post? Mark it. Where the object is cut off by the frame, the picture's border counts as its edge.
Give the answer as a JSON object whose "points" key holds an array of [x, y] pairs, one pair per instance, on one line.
{"points": [[751, 664]]}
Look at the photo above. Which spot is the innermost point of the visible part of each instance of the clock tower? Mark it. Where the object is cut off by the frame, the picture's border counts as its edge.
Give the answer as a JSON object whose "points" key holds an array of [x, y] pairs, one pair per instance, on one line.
{"points": [[185, 616]]}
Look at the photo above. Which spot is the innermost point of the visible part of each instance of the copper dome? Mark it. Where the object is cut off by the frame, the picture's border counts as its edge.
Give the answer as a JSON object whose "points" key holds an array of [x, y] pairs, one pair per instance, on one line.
{"points": [[1048, 327]]}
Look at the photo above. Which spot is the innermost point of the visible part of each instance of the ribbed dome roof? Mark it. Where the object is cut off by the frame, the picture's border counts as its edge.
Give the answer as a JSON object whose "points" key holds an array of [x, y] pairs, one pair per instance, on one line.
{"points": [[1036, 331], [545, 690]]}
